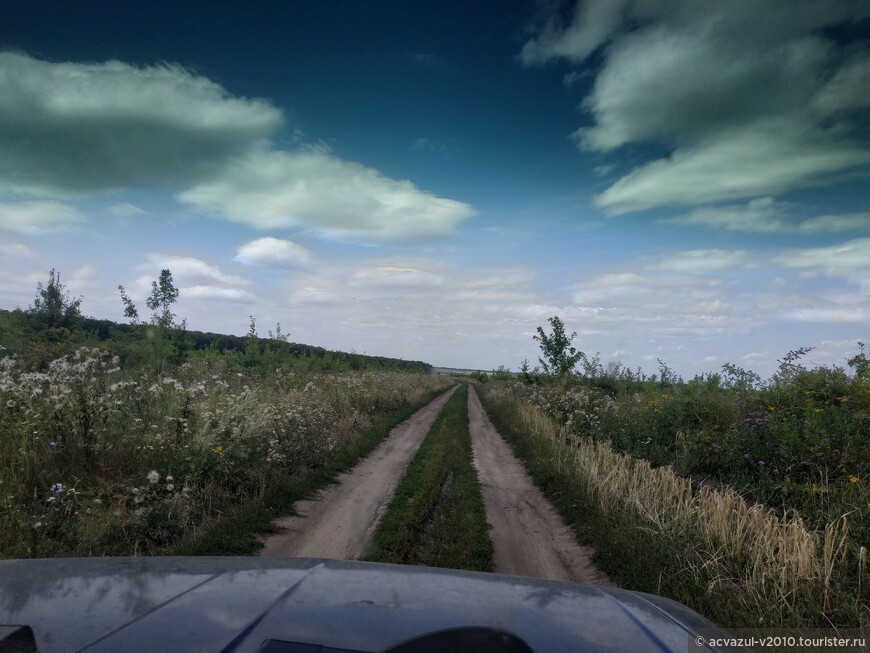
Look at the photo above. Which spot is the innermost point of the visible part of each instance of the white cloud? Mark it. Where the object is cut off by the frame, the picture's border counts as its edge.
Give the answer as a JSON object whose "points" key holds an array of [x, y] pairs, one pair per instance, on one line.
{"points": [[766, 215], [313, 188], [10, 249], [39, 217], [751, 98], [189, 271], [125, 210], [395, 277], [275, 252], [849, 260], [758, 159], [829, 315], [217, 293], [73, 128], [699, 261], [69, 129]]}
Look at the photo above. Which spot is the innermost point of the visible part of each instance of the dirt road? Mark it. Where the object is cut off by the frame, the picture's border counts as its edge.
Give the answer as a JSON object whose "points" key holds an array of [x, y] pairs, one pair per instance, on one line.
{"points": [[528, 536], [339, 521]]}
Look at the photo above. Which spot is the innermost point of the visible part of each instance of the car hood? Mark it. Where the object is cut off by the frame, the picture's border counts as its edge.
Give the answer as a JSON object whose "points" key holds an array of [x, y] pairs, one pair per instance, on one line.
{"points": [[237, 604]]}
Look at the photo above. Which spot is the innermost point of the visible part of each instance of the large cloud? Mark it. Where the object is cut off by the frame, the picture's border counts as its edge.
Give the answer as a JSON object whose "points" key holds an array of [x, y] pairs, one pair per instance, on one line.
{"points": [[751, 98], [73, 128], [766, 215], [315, 188], [849, 260], [38, 217], [69, 129], [273, 252]]}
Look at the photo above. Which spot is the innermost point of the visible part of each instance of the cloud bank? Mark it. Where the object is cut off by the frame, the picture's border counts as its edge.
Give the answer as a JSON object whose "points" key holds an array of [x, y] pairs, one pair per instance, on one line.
{"points": [[68, 130], [750, 99]]}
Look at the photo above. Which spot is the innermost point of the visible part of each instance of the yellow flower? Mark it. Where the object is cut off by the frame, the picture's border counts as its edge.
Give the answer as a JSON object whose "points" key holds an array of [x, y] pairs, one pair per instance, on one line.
{"points": [[818, 410], [854, 479], [843, 400], [219, 451]]}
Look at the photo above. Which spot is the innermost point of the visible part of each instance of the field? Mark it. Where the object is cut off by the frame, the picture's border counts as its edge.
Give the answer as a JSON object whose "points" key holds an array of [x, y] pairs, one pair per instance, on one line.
{"points": [[100, 456], [751, 498], [746, 500]]}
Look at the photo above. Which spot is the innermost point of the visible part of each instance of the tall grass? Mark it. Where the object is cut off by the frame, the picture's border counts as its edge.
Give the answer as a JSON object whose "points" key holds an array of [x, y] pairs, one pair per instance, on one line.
{"points": [[96, 459], [740, 562]]}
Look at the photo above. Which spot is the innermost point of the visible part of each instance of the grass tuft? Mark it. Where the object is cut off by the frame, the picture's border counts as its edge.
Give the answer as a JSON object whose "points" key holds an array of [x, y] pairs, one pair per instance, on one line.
{"points": [[436, 517]]}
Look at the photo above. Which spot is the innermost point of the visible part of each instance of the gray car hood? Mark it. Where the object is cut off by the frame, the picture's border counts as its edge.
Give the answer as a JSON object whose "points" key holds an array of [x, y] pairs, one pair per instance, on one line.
{"points": [[237, 604]]}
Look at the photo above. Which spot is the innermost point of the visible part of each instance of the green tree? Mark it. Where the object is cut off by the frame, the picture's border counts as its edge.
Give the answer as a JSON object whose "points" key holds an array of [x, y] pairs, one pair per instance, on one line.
{"points": [[502, 373], [559, 355], [130, 310], [163, 295], [53, 305]]}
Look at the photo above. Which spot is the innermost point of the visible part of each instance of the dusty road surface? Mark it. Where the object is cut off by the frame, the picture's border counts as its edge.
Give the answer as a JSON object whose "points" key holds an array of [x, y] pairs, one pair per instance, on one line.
{"points": [[339, 521], [528, 536]]}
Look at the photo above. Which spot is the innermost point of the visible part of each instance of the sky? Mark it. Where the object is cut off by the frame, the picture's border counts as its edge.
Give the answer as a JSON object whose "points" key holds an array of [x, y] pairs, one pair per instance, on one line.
{"points": [[434, 180]]}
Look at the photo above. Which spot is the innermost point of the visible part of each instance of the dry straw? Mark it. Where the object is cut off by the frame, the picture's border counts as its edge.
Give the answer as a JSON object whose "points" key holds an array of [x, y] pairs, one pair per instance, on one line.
{"points": [[747, 546]]}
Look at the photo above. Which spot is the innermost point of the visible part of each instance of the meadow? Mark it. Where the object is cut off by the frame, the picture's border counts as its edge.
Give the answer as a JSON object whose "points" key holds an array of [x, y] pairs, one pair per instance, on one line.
{"points": [[137, 442], [747, 500]]}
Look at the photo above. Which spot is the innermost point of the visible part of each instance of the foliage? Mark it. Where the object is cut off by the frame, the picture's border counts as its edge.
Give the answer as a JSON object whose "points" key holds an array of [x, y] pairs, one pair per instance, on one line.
{"points": [[739, 564], [796, 443], [502, 373], [96, 458], [163, 295], [53, 306], [559, 355]]}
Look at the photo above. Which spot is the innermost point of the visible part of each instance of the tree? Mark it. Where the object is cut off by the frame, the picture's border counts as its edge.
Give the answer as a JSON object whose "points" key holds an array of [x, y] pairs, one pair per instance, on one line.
{"points": [[130, 310], [560, 356], [278, 335], [53, 305], [163, 295], [502, 373]]}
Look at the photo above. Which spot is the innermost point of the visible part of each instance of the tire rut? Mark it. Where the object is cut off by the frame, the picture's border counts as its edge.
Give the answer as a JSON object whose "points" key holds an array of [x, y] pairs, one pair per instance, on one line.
{"points": [[529, 538], [338, 522]]}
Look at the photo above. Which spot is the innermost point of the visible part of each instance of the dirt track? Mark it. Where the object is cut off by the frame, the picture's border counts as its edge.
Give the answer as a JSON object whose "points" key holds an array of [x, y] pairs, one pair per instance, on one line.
{"points": [[528, 536], [339, 521]]}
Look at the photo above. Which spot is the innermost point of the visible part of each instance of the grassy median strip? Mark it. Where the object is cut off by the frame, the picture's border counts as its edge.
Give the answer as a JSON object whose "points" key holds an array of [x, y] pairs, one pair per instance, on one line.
{"points": [[235, 533], [436, 517]]}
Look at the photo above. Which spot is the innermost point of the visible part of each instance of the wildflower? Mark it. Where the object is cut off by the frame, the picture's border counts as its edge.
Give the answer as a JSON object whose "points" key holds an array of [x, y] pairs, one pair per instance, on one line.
{"points": [[746, 456], [57, 488], [170, 487], [169, 479], [153, 477], [843, 400], [219, 451], [854, 479], [761, 462], [52, 443], [818, 410]]}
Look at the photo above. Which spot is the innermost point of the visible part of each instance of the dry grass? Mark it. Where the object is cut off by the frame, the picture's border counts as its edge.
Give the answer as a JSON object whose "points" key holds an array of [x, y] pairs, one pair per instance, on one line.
{"points": [[772, 563]]}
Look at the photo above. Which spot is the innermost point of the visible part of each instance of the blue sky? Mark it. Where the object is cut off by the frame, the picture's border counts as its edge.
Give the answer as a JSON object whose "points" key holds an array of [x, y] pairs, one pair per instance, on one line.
{"points": [[434, 180]]}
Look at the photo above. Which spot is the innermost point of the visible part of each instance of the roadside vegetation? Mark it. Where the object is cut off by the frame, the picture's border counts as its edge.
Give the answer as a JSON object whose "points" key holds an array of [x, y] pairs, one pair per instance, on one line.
{"points": [[436, 517], [134, 439], [745, 499]]}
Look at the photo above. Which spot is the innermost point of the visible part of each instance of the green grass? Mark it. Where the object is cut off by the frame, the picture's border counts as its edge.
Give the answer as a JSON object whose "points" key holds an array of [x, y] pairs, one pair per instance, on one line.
{"points": [[655, 555], [632, 554], [436, 517], [235, 533]]}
